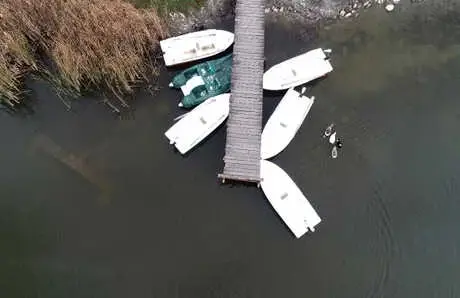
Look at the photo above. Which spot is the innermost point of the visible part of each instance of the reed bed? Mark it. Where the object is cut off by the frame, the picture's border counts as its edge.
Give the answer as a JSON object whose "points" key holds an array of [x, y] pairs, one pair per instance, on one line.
{"points": [[79, 44]]}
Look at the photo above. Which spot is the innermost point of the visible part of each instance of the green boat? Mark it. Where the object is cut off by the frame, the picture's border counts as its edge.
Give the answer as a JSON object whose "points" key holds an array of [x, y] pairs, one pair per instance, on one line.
{"points": [[215, 77]]}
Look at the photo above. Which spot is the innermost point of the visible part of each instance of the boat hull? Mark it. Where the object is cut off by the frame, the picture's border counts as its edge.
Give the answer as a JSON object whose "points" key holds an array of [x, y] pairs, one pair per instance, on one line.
{"points": [[199, 123], [195, 46], [297, 71], [284, 123], [287, 199]]}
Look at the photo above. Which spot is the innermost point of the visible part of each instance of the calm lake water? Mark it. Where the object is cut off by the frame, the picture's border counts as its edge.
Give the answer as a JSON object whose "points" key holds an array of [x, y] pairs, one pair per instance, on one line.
{"points": [[94, 206]]}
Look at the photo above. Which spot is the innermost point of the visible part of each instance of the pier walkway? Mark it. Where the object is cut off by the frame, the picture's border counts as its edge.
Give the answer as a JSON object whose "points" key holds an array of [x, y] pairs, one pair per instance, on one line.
{"points": [[244, 125]]}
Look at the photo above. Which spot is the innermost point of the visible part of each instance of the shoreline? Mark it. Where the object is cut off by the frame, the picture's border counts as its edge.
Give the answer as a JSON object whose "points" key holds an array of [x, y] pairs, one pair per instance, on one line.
{"points": [[295, 12], [213, 12]]}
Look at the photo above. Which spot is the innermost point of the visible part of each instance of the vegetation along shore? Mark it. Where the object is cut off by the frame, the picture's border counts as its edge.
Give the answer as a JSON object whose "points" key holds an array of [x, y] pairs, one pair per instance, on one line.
{"points": [[79, 45]]}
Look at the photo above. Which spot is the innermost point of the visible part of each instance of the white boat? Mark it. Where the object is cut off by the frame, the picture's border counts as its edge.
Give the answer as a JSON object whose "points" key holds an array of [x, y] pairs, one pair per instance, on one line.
{"points": [[284, 123], [297, 71], [194, 46], [199, 123], [287, 199]]}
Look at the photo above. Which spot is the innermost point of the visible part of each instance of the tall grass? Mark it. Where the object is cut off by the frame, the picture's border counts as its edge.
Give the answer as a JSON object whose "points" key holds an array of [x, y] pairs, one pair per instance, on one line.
{"points": [[81, 44]]}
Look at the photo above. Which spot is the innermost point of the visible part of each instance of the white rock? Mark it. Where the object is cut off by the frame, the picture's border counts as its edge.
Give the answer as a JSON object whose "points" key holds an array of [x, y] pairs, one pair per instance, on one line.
{"points": [[267, 10], [389, 7], [348, 15], [342, 13], [281, 9], [380, 1], [396, 1]]}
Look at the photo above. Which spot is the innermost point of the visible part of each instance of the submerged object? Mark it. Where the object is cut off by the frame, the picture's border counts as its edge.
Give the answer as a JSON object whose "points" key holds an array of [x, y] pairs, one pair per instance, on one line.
{"points": [[194, 46], [197, 124], [284, 123], [287, 199], [298, 70]]}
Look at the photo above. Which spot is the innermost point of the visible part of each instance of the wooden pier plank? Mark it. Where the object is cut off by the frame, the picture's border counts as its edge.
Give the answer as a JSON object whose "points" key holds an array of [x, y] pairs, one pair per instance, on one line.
{"points": [[244, 125]]}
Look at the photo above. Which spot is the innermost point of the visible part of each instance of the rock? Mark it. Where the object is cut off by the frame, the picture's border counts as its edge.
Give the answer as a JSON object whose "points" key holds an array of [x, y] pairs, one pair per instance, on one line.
{"points": [[281, 9], [342, 13], [396, 1], [367, 4], [390, 7], [380, 1], [348, 15], [267, 10], [355, 6]]}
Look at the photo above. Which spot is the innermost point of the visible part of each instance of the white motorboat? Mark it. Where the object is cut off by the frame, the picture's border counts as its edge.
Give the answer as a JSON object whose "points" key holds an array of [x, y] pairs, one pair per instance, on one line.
{"points": [[197, 124], [298, 70], [287, 199], [284, 123], [194, 46]]}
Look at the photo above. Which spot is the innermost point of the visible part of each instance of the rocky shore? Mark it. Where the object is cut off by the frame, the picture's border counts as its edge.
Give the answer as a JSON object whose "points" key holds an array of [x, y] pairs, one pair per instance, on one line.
{"points": [[307, 12]]}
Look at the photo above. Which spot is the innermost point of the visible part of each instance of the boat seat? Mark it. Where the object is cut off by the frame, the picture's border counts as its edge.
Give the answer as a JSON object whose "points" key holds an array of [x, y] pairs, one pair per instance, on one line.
{"points": [[203, 120], [208, 47]]}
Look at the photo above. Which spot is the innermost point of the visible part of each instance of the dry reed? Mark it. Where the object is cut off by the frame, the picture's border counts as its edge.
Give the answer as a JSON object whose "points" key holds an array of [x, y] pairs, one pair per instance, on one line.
{"points": [[83, 43]]}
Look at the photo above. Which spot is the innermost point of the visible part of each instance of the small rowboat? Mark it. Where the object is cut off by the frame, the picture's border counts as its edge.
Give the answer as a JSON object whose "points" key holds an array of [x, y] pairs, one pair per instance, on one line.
{"points": [[297, 71], [287, 199], [194, 46], [284, 123], [197, 124]]}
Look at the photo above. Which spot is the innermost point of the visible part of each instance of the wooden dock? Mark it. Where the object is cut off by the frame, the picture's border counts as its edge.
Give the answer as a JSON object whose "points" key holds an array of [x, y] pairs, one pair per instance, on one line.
{"points": [[244, 125]]}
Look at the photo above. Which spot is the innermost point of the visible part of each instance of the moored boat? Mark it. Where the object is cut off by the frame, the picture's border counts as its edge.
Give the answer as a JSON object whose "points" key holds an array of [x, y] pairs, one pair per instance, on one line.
{"points": [[194, 46], [199, 123], [298, 70], [204, 80], [205, 71], [287, 199], [284, 123]]}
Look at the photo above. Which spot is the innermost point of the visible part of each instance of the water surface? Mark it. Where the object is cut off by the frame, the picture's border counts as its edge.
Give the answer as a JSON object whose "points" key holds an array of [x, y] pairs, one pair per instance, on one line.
{"points": [[95, 206]]}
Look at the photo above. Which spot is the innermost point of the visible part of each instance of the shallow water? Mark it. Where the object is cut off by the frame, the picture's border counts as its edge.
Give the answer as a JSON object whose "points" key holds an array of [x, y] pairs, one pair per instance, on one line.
{"points": [[94, 206]]}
